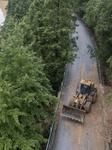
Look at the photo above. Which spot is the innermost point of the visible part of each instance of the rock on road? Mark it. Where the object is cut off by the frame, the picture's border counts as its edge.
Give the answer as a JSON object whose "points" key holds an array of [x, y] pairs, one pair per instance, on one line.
{"points": [[71, 135]]}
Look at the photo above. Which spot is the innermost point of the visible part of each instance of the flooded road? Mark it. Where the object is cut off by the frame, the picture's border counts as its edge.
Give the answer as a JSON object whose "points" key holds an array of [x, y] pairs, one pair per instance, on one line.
{"points": [[3, 4], [71, 135]]}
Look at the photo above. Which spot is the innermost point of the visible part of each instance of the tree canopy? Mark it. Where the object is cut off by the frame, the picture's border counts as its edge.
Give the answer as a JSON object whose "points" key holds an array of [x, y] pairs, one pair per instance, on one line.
{"points": [[50, 23], [18, 8], [25, 96], [97, 16], [35, 45]]}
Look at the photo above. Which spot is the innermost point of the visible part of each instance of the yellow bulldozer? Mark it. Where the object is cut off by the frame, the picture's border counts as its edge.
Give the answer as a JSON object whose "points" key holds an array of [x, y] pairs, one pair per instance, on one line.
{"points": [[80, 104]]}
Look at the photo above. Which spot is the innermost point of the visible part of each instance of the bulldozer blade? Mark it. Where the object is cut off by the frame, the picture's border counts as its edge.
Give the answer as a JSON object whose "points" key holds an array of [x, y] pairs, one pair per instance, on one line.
{"points": [[73, 113]]}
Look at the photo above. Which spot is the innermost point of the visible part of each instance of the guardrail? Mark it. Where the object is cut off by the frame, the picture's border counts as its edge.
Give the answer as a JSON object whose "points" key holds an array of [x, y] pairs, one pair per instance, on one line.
{"points": [[51, 129], [55, 123]]}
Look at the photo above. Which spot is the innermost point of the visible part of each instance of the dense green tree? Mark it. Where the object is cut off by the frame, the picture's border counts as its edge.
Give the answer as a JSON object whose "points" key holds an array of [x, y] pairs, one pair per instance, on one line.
{"points": [[109, 61], [103, 29], [33, 36], [26, 102], [92, 9], [97, 17], [18, 8], [78, 6], [47, 30], [51, 24], [8, 27]]}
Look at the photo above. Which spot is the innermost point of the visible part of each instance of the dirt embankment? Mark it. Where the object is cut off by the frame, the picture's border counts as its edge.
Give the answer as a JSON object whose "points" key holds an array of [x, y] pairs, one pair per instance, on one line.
{"points": [[108, 115]]}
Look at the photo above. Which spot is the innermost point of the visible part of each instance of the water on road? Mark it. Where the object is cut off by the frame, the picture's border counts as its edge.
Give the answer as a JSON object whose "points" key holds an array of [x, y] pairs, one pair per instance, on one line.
{"points": [[71, 135]]}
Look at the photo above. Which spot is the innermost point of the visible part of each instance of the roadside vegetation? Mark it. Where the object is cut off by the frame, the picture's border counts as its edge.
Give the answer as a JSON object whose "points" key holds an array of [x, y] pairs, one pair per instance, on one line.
{"points": [[97, 15], [35, 45]]}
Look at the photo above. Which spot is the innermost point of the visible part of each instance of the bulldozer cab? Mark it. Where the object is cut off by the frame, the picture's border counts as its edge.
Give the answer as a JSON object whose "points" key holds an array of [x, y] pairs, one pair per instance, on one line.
{"points": [[85, 89], [85, 86]]}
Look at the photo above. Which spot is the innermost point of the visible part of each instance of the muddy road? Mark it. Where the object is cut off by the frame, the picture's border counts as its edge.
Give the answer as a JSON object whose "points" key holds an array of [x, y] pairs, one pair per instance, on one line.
{"points": [[71, 135]]}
